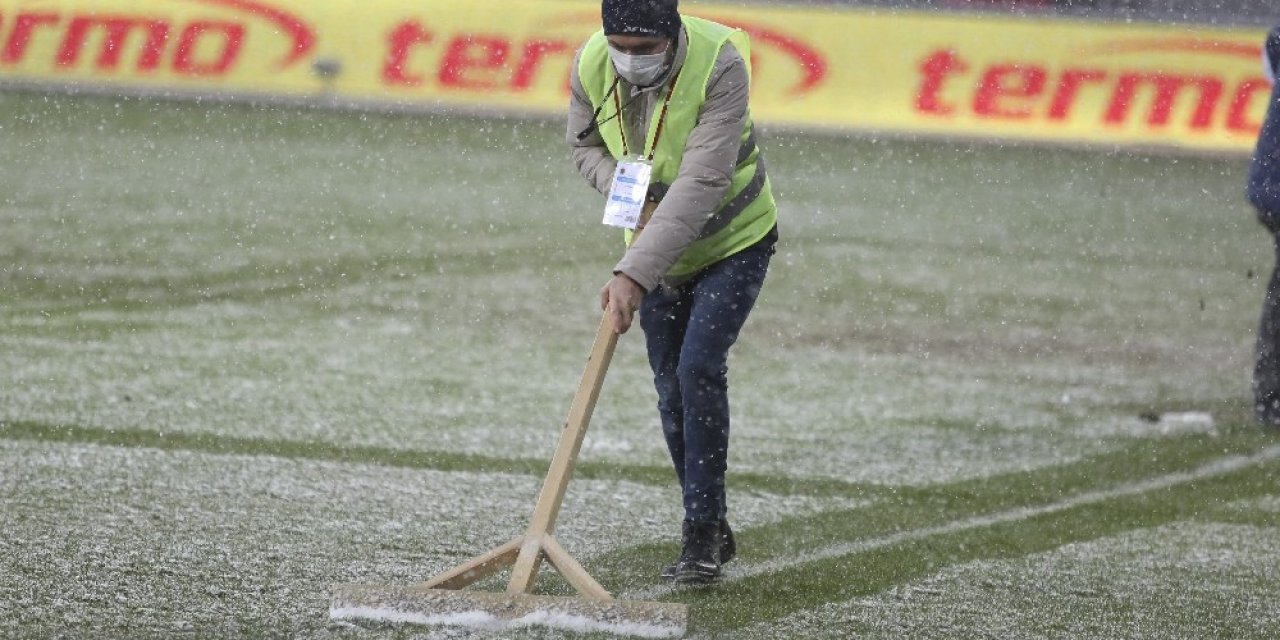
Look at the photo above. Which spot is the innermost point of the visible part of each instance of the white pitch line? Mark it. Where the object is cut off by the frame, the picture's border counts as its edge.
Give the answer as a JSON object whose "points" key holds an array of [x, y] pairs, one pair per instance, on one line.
{"points": [[1215, 468]]}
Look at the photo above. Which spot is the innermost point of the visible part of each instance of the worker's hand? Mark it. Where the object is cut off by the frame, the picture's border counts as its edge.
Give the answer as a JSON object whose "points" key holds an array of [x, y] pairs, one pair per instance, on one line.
{"points": [[621, 297]]}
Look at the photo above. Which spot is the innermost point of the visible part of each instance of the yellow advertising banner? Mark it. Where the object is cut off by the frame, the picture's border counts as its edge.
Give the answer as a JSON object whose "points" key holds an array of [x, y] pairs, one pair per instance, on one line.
{"points": [[904, 72]]}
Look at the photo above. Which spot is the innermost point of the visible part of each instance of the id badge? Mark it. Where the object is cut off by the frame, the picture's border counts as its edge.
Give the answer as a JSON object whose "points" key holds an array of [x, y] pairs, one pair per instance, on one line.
{"points": [[626, 196]]}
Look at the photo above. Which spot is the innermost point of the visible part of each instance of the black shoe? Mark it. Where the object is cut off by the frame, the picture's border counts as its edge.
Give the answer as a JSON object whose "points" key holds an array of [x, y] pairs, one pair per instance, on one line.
{"points": [[700, 560], [669, 571], [728, 549]]}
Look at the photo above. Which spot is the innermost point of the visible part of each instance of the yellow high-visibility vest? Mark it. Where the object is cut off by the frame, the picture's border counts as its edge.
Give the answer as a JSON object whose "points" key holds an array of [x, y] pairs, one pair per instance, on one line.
{"points": [[748, 212]]}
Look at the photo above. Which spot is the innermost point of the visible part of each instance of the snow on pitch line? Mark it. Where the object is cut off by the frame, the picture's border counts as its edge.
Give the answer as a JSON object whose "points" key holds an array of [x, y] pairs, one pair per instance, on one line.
{"points": [[1218, 467], [1165, 582]]}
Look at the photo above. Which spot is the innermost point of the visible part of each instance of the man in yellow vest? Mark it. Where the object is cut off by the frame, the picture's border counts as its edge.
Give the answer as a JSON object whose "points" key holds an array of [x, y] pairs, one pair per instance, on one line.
{"points": [[668, 92]]}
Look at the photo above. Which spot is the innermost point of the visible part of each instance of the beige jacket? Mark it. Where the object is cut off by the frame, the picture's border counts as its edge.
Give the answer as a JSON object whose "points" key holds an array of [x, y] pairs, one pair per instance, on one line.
{"points": [[710, 155]]}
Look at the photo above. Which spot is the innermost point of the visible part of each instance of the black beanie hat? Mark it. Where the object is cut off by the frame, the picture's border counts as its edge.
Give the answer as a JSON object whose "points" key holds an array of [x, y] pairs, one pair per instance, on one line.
{"points": [[641, 18]]}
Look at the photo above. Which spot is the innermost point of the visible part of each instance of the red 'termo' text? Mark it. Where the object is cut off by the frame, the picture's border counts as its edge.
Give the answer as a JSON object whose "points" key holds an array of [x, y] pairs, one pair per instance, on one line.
{"points": [[196, 48], [950, 86], [468, 61]]}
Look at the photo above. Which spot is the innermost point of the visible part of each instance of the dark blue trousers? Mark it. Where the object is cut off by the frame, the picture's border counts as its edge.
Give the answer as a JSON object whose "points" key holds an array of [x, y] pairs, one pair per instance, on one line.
{"points": [[1266, 371], [688, 332]]}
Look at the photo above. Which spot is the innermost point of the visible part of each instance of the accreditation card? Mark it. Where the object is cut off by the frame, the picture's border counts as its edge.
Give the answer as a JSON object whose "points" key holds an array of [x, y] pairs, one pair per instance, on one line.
{"points": [[626, 196]]}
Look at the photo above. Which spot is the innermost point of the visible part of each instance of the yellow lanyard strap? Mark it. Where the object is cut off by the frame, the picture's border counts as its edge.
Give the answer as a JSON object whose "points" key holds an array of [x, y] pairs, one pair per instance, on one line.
{"points": [[662, 118]]}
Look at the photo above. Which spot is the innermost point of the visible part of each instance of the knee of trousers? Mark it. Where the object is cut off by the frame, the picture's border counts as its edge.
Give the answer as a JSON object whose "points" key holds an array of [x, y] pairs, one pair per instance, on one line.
{"points": [[668, 388], [699, 375]]}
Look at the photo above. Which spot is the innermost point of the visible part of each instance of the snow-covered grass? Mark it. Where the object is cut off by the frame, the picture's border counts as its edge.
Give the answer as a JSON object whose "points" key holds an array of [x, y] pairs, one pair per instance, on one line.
{"points": [[111, 542], [1184, 580], [250, 353]]}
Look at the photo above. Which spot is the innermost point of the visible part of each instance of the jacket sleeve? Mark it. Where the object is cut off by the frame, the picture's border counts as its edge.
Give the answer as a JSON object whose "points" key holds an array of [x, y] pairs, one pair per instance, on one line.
{"points": [[1264, 172], [589, 154], [706, 172]]}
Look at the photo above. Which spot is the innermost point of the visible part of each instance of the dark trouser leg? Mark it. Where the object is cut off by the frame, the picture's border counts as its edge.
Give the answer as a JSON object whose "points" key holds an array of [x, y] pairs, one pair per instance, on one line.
{"points": [[664, 314], [689, 331], [1266, 372]]}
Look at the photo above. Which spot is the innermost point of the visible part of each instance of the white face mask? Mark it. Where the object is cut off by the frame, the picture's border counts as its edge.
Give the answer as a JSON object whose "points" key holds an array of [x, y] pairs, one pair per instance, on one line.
{"points": [[640, 71]]}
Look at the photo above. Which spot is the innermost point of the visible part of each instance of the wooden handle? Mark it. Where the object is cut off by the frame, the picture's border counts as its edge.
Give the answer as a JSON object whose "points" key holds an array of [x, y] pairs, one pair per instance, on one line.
{"points": [[575, 431]]}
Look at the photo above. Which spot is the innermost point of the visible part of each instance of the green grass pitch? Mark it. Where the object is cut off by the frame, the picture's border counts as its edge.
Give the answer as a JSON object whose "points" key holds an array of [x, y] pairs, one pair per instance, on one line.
{"points": [[251, 352]]}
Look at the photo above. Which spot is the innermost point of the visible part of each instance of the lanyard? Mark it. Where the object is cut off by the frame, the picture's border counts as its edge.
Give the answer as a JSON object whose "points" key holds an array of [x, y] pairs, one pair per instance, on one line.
{"points": [[662, 119]]}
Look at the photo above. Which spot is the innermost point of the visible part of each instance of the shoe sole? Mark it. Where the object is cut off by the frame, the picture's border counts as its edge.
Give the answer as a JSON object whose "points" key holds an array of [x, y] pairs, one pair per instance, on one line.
{"points": [[688, 577], [696, 579], [696, 576]]}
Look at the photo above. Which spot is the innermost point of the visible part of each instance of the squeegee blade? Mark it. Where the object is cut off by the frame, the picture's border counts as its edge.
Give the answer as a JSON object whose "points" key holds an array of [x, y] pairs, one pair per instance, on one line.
{"points": [[481, 609]]}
